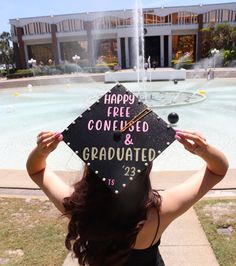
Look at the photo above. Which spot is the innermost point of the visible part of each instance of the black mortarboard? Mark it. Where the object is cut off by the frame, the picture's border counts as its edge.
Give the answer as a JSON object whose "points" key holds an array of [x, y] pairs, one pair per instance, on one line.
{"points": [[116, 149]]}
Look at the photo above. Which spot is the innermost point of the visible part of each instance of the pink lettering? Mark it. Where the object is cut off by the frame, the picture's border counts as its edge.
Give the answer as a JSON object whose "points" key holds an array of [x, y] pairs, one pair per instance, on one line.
{"points": [[115, 111], [90, 124], [119, 98], [112, 125], [107, 98], [111, 182]]}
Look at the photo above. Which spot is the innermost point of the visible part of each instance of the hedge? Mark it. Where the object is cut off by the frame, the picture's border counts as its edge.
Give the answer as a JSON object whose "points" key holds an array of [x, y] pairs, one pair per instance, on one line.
{"points": [[21, 73]]}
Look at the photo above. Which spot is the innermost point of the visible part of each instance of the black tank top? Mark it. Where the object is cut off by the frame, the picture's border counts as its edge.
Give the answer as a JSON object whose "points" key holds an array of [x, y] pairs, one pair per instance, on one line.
{"points": [[149, 256], [146, 257]]}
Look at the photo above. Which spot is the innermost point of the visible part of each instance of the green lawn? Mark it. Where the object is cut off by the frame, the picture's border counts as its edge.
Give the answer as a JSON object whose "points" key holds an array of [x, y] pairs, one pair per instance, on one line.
{"points": [[32, 232], [218, 219]]}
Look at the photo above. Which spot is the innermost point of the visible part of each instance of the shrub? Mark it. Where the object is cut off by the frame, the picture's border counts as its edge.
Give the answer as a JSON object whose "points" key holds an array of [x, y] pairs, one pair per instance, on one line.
{"points": [[3, 72], [178, 64], [229, 56], [20, 73]]}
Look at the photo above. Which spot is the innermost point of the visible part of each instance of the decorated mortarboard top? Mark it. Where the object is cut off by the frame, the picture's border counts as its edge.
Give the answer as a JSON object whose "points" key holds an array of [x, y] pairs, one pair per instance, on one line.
{"points": [[118, 137]]}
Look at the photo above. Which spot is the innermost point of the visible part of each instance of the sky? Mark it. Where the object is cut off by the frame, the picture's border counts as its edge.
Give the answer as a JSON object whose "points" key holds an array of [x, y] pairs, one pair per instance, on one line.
{"points": [[26, 8]]}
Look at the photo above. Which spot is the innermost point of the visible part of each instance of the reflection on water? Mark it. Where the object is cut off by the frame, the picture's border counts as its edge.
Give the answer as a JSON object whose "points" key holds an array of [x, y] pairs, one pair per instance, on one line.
{"points": [[24, 112]]}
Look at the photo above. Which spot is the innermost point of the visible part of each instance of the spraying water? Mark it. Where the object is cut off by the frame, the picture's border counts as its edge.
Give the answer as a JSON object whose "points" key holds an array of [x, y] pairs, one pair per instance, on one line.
{"points": [[139, 40]]}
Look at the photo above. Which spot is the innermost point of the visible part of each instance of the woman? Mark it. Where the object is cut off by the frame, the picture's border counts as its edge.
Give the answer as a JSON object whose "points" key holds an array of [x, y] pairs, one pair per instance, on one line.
{"points": [[107, 229]]}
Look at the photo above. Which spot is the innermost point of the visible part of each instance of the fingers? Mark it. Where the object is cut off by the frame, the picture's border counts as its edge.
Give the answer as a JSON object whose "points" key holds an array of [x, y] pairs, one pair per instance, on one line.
{"points": [[191, 133], [192, 141], [42, 136], [48, 140], [195, 137], [187, 145]]}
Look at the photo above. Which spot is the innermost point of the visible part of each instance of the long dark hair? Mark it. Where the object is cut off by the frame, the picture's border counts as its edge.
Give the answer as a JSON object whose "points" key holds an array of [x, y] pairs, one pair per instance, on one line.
{"points": [[104, 225]]}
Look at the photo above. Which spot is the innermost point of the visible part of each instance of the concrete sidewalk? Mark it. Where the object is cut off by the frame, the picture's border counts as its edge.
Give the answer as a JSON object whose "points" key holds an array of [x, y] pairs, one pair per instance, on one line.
{"points": [[184, 242]]}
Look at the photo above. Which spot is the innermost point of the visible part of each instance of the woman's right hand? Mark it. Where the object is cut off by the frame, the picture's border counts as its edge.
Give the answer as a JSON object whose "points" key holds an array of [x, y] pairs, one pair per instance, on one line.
{"points": [[192, 141], [47, 141], [195, 143]]}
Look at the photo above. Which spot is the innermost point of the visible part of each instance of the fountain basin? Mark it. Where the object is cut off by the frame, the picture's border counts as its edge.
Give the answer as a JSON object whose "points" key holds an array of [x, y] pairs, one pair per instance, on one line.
{"points": [[149, 75]]}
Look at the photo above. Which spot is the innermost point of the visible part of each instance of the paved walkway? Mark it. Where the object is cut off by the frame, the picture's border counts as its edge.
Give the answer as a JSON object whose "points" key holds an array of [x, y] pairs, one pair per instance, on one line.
{"points": [[184, 242]]}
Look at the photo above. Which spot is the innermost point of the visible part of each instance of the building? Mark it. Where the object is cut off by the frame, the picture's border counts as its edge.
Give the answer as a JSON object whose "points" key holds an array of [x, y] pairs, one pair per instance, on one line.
{"points": [[107, 36]]}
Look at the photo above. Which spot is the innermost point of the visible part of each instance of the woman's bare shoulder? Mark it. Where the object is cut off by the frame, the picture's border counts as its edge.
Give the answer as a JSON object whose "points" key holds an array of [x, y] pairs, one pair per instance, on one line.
{"points": [[149, 230]]}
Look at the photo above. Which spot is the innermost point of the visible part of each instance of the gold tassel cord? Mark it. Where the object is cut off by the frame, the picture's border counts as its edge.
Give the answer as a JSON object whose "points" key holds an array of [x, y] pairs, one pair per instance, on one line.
{"points": [[136, 119]]}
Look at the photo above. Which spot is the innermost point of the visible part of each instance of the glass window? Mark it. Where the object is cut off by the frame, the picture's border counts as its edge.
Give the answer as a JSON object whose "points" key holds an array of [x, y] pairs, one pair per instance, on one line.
{"points": [[108, 23], [166, 19], [113, 23], [106, 51], [152, 19], [212, 16], [175, 18], [183, 45], [41, 53], [187, 17], [69, 49]]}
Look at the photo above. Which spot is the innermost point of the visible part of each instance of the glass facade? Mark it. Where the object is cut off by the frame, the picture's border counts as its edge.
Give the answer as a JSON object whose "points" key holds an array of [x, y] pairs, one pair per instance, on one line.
{"points": [[70, 25], [69, 49], [151, 19], [41, 53], [184, 45], [184, 18], [111, 23], [220, 16], [103, 31], [106, 51], [37, 28]]}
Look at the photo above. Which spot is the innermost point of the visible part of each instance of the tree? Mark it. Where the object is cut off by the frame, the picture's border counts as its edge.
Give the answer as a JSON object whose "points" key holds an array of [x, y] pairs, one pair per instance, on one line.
{"points": [[221, 37], [207, 37], [6, 51]]}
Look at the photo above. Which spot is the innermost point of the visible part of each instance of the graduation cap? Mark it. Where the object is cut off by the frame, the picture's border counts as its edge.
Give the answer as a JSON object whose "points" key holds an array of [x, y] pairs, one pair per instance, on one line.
{"points": [[118, 137]]}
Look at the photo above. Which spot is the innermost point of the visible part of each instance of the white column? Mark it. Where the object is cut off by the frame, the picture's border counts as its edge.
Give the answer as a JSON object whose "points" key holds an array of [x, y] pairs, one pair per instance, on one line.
{"points": [[196, 47], [127, 52], [59, 51], [119, 51], [26, 55], [162, 50], [169, 49]]}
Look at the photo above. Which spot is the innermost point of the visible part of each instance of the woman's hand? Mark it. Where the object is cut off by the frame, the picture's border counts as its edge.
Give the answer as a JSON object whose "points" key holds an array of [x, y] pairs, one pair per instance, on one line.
{"points": [[197, 144], [192, 141], [47, 141]]}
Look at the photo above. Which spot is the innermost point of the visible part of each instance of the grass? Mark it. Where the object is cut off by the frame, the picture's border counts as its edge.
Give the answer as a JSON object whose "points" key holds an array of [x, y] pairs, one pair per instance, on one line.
{"points": [[32, 232], [218, 219]]}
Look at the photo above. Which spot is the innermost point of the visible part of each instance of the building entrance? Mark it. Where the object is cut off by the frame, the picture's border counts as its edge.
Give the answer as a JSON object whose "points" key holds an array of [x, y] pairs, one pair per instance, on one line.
{"points": [[153, 49]]}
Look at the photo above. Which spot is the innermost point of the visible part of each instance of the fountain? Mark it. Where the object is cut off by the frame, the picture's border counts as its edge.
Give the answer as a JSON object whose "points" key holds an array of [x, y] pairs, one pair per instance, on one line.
{"points": [[53, 107], [139, 40], [143, 74], [137, 72]]}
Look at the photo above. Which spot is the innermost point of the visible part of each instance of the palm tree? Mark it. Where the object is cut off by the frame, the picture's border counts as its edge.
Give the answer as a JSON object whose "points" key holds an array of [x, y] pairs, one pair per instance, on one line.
{"points": [[6, 51]]}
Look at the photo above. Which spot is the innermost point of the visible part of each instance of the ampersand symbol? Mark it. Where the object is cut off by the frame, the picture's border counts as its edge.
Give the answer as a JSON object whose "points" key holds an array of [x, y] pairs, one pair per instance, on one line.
{"points": [[128, 140]]}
